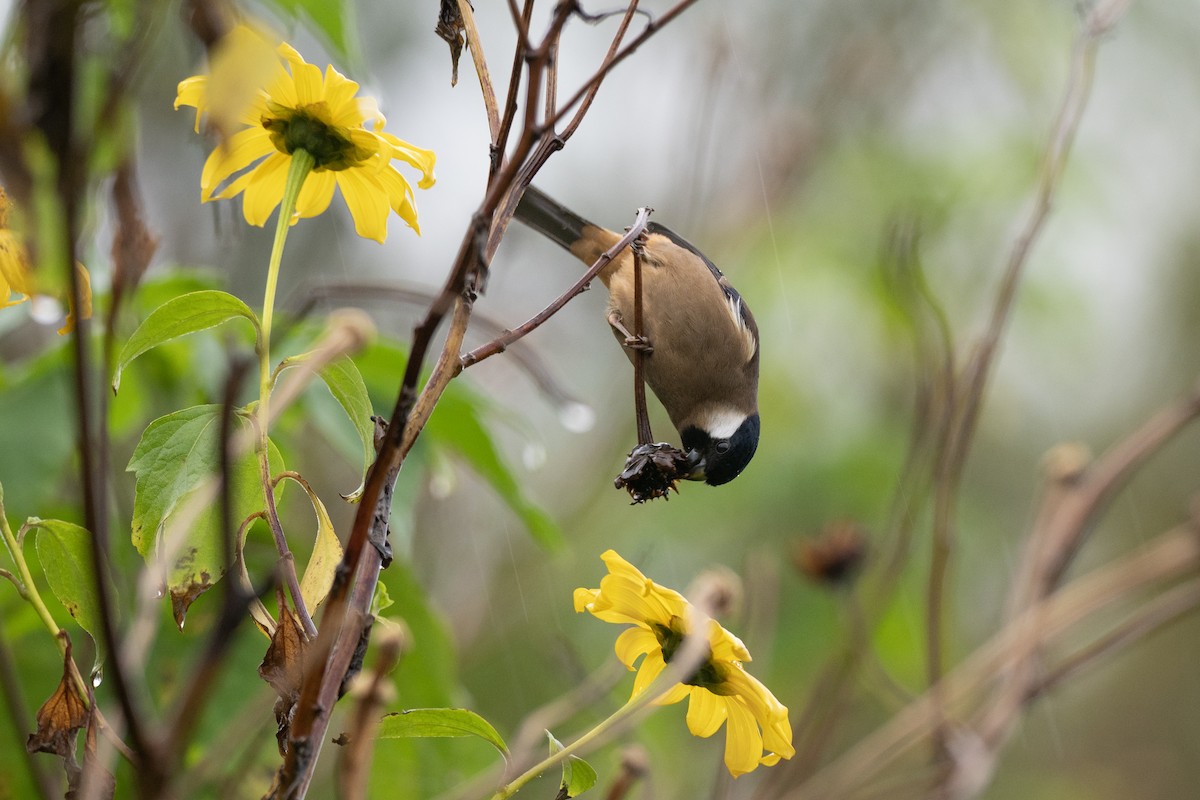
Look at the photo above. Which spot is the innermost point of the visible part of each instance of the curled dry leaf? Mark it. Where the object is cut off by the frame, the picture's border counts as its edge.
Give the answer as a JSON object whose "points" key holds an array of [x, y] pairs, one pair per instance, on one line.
{"points": [[450, 29], [651, 471], [60, 717], [283, 668]]}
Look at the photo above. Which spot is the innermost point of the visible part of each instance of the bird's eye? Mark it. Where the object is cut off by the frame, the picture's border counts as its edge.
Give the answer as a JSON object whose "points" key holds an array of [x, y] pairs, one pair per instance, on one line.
{"points": [[722, 448]]}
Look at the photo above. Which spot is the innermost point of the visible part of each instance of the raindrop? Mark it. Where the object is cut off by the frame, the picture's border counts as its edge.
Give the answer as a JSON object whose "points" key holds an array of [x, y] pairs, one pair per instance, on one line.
{"points": [[160, 592], [441, 484], [577, 417], [97, 677], [45, 310], [534, 455]]}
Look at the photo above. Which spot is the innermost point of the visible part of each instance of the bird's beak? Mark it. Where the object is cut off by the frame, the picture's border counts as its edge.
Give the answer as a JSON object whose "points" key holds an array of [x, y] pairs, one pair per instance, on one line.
{"points": [[695, 466]]}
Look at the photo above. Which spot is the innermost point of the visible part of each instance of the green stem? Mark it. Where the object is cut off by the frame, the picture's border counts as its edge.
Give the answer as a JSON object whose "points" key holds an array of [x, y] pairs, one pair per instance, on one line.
{"points": [[301, 164], [634, 705], [27, 588]]}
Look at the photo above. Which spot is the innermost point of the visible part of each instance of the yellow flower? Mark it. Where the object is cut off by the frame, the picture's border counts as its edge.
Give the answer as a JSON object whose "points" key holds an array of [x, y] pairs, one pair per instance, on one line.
{"points": [[15, 280], [719, 691], [285, 110]]}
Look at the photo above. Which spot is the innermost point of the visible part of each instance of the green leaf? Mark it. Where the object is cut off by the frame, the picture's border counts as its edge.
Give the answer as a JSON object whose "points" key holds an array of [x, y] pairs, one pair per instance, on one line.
{"points": [[326, 554], [329, 17], [380, 601], [64, 551], [346, 384], [456, 424], [176, 504], [577, 775], [425, 723], [189, 313]]}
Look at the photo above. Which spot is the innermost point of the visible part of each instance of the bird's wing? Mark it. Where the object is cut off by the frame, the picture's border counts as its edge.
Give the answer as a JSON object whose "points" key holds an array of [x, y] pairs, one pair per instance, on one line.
{"points": [[738, 310]]}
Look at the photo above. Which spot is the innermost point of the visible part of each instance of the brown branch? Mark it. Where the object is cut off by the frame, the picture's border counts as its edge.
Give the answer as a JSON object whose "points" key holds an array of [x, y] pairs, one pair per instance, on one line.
{"points": [[481, 70], [975, 378], [346, 607], [644, 434], [354, 767], [590, 95], [1161, 562], [500, 140]]}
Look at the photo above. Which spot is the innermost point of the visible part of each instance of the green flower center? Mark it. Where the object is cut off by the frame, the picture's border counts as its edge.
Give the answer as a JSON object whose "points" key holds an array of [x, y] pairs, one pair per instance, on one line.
{"points": [[304, 128], [709, 675]]}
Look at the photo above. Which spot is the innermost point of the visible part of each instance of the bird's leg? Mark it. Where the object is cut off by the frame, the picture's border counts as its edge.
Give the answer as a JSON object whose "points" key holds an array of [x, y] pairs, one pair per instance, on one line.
{"points": [[633, 342]]}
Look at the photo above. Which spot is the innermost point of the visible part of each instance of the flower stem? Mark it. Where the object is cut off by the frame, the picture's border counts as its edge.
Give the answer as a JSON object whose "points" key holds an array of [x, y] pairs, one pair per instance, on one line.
{"points": [[634, 705], [301, 164]]}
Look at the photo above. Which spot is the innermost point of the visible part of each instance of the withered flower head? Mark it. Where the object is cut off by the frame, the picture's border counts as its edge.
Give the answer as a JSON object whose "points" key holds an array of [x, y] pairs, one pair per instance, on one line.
{"points": [[651, 471], [835, 556]]}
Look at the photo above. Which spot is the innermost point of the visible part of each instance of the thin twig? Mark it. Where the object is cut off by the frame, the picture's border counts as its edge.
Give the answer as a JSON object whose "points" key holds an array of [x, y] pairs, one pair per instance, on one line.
{"points": [[975, 378], [525, 356], [1162, 561], [481, 70]]}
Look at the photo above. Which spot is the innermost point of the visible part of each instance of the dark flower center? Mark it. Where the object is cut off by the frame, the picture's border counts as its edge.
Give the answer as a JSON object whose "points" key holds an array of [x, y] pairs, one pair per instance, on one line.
{"points": [[293, 129], [709, 675]]}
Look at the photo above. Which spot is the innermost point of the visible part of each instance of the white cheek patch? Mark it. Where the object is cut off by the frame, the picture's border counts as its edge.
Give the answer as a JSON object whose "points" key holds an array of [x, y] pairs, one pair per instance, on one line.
{"points": [[721, 423]]}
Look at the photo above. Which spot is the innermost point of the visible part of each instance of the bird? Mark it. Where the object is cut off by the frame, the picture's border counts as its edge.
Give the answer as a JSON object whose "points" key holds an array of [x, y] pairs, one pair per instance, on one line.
{"points": [[700, 340]]}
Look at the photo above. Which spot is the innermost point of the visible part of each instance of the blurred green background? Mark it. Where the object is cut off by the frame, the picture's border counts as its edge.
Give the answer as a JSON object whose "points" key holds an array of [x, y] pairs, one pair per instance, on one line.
{"points": [[786, 140]]}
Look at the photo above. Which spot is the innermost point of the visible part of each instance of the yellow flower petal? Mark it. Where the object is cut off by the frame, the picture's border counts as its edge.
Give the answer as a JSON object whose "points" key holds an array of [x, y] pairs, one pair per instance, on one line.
{"points": [[676, 694], [400, 196], [420, 158], [651, 666], [367, 201], [743, 743], [725, 646], [85, 298], [265, 189], [316, 194], [706, 712], [339, 98], [634, 643], [192, 92], [14, 270], [240, 151], [584, 598]]}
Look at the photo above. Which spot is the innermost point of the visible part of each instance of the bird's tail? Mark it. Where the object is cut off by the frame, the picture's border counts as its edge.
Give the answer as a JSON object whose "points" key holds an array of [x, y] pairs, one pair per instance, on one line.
{"points": [[552, 220]]}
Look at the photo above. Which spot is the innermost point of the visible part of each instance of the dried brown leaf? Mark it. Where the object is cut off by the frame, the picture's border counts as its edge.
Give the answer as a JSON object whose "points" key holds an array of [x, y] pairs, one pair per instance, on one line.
{"points": [[182, 598], [60, 717], [450, 29], [283, 668]]}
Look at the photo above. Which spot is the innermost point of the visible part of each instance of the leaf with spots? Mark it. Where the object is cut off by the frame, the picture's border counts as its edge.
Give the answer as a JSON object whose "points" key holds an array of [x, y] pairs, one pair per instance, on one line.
{"points": [[177, 509], [64, 550]]}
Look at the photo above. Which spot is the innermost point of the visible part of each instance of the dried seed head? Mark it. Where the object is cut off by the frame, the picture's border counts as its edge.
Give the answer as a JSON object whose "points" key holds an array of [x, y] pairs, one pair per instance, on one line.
{"points": [[835, 556], [717, 591], [651, 471]]}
